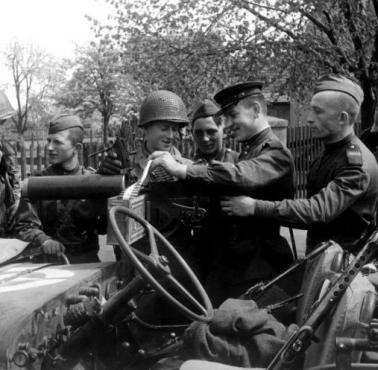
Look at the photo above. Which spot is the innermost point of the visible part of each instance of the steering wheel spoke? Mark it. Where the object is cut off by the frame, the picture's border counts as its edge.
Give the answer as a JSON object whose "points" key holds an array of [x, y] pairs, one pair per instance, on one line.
{"points": [[176, 284], [159, 267]]}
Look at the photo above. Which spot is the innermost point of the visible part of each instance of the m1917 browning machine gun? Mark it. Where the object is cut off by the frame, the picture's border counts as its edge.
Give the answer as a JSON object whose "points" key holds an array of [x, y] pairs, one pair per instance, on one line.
{"points": [[296, 346]]}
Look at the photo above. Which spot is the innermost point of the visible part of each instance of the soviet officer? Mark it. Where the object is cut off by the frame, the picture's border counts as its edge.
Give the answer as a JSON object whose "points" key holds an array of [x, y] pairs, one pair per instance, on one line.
{"points": [[342, 184], [252, 249]]}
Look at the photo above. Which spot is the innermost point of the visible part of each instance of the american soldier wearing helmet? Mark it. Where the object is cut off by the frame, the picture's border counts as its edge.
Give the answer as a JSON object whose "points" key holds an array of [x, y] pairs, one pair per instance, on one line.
{"points": [[161, 116]]}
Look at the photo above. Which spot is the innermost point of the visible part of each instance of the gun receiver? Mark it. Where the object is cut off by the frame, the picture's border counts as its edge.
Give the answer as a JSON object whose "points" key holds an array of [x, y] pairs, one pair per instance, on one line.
{"points": [[301, 340]]}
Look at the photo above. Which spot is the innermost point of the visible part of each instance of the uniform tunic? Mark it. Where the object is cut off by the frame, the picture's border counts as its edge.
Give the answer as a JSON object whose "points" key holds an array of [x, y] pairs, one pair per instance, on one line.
{"points": [[74, 223], [158, 174], [224, 155], [206, 237], [251, 249], [343, 194], [10, 190]]}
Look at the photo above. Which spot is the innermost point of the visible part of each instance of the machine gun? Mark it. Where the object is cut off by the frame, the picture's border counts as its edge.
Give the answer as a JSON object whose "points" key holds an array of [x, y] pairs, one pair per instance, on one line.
{"points": [[73, 187], [63, 350], [298, 343], [258, 289]]}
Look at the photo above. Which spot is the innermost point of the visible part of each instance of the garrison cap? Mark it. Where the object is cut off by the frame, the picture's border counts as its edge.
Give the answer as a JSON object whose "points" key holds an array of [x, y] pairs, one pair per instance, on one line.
{"points": [[232, 94], [206, 109], [344, 84], [64, 122]]}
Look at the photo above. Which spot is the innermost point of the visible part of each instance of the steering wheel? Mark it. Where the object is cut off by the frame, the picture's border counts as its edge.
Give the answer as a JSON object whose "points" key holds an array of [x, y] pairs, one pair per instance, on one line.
{"points": [[160, 266]]}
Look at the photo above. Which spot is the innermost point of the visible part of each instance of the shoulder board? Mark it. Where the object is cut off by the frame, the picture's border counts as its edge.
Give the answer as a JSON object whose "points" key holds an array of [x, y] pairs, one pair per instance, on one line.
{"points": [[275, 144], [354, 155]]}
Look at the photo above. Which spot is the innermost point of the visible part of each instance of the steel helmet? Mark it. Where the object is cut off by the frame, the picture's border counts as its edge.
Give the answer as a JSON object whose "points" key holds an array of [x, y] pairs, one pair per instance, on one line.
{"points": [[6, 110], [163, 105]]}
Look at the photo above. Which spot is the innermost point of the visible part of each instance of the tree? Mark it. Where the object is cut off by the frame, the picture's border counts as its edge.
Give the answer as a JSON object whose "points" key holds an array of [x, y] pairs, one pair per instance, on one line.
{"points": [[191, 59], [98, 83], [268, 39], [35, 75], [336, 36]]}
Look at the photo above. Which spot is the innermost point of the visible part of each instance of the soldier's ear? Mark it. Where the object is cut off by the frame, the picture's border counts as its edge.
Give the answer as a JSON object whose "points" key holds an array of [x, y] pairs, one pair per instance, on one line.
{"points": [[78, 147], [256, 108], [344, 118]]}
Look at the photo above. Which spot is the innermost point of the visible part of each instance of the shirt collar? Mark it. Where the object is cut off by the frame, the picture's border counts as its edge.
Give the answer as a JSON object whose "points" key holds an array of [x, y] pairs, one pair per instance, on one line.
{"points": [[344, 141], [257, 139], [217, 156], [62, 171]]}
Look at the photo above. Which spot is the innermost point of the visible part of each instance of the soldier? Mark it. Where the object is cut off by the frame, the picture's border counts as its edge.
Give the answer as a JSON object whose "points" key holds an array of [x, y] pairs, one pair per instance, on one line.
{"points": [[162, 115], [59, 225], [250, 248], [342, 185], [10, 191], [208, 134]]}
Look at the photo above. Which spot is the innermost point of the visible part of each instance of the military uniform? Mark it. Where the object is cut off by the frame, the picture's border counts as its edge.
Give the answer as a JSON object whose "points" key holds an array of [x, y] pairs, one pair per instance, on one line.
{"points": [[10, 191], [343, 194], [206, 237], [158, 174], [343, 182], [161, 214], [74, 223], [224, 155], [251, 249]]}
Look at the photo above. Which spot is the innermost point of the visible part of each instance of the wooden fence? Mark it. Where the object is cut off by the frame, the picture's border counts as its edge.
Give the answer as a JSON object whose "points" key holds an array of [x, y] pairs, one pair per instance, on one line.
{"points": [[33, 158], [299, 140], [305, 149]]}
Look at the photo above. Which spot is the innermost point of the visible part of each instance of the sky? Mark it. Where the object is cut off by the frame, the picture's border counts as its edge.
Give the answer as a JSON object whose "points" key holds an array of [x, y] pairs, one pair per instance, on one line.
{"points": [[53, 25]]}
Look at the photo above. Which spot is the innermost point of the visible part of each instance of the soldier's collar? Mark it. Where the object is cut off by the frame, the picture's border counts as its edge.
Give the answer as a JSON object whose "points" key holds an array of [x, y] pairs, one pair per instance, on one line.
{"points": [[256, 139], [209, 157], [62, 171], [346, 140]]}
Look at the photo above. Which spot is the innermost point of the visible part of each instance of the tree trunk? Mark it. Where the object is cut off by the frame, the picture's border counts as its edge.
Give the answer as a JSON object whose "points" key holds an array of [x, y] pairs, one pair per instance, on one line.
{"points": [[21, 143], [106, 120]]}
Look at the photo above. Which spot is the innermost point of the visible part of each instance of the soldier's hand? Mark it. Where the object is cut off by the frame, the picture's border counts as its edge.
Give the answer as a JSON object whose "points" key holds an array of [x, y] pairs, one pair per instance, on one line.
{"points": [[53, 247], [241, 206], [110, 165], [165, 160]]}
